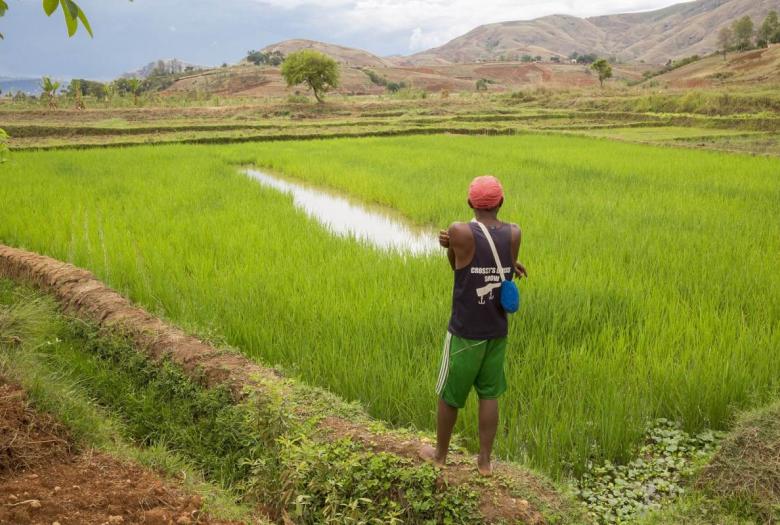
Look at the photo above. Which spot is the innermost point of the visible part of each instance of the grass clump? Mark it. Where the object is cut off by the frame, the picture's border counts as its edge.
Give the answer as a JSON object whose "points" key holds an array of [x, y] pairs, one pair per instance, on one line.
{"points": [[667, 460], [744, 475]]}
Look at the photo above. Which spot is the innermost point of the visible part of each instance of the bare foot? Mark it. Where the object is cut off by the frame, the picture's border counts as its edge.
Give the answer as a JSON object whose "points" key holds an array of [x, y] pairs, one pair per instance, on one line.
{"points": [[484, 468], [428, 453]]}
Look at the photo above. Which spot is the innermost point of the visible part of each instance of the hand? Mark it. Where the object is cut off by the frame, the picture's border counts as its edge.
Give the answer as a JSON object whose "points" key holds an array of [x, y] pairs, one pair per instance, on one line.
{"points": [[444, 239], [520, 270]]}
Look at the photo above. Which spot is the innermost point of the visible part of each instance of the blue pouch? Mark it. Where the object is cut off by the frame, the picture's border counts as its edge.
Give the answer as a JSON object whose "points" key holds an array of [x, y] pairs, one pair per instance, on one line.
{"points": [[510, 297]]}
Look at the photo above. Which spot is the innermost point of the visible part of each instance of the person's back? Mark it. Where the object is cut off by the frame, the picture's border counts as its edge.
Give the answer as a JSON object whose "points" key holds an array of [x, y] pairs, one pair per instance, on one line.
{"points": [[476, 309], [475, 344]]}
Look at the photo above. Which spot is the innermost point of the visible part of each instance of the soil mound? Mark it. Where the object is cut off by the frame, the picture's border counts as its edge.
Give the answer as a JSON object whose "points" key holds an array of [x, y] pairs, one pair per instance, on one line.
{"points": [[43, 481], [27, 439]]}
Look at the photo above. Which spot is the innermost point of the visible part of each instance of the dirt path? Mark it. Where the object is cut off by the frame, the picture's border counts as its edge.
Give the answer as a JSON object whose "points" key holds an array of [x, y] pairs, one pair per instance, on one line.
{"points": [[45, 480]]}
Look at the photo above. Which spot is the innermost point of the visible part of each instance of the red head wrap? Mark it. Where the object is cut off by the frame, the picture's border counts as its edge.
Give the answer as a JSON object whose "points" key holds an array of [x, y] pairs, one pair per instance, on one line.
{"points": [[485, 192]]}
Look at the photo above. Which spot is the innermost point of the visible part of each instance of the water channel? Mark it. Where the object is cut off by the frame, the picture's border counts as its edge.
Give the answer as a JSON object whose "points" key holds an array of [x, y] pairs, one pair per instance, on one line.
{"points": [[347, 219]]}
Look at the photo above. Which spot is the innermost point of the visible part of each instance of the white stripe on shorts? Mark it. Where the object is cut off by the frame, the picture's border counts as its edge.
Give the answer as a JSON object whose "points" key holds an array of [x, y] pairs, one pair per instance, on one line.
{"points": [[445, 364]]}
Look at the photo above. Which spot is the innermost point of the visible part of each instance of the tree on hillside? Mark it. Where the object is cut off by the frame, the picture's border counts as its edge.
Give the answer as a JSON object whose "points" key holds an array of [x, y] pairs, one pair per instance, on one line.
{"points": [[725, 40], [272, 58], [49, 88], [71, 11], [769, 32], [318, 71], [604, 70], [743, 32]]}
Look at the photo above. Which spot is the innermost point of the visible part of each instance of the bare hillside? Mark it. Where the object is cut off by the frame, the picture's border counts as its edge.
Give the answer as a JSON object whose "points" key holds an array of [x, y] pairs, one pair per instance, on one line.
{"points": [[760, 66], [346, 55], [653, 37], [260, 81]]}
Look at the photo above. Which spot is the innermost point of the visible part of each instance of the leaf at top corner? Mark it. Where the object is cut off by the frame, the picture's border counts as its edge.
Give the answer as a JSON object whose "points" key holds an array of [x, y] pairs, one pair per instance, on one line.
{"points": [[50, 6], [70, 20], [85, 22]]}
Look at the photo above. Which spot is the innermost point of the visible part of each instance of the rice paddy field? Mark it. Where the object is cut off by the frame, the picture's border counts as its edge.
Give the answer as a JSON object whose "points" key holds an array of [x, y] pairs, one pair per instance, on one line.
{"points": [[653, 288]]}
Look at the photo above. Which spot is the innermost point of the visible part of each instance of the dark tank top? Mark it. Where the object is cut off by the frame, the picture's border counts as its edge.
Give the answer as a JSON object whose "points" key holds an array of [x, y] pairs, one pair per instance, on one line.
{"points": [[476, 306]]}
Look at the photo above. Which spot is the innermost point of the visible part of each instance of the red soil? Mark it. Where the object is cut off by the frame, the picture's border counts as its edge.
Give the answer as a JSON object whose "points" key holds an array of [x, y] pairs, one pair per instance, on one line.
{"points": [[44, 480]]}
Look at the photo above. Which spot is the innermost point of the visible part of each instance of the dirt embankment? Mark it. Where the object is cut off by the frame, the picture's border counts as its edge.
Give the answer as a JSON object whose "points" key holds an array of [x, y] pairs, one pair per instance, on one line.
{"points": [[44, 480], [514, 495]]}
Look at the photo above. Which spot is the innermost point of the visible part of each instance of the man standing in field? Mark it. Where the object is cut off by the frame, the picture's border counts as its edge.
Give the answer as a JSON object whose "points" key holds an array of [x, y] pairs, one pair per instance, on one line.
{"points": [[475, 344]]}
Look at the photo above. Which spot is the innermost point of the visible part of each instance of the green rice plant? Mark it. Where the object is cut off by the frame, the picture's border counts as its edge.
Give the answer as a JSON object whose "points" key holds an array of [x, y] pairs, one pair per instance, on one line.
{"points": [[653, 289]]}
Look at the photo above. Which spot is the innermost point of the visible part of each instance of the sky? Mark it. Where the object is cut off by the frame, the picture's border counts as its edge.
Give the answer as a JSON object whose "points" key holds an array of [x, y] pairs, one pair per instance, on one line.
{"points": [[129, 35]]}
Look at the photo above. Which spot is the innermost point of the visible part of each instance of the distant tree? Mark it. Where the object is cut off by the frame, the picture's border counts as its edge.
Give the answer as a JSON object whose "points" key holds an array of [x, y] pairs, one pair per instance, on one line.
{"points": [[275, 58], [395, 87], [109, 91], [538, 58], [555, 59], [482, 84], [743, 32], [587, 59], [725, 40], [134, 87], [258, 58], [74, 90], [769, 31], [318, 71], [49, 88], [526, 58], [604, 70]]}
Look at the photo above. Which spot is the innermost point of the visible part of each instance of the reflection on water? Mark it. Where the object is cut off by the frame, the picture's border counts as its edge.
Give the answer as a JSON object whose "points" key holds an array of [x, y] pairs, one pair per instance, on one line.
{"points": [[345, 218]]}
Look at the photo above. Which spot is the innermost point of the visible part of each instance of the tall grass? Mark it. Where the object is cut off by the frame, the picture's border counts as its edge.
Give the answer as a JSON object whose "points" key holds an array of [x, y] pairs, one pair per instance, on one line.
{"points": [[653, 288]]}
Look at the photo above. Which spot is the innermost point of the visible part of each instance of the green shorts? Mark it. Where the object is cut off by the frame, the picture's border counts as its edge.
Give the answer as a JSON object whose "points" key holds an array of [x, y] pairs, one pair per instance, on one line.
{"points": [[466, 363]]}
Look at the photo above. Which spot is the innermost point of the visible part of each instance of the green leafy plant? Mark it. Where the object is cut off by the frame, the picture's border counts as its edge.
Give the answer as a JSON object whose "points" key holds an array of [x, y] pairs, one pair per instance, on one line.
{"points": [[49, 88], [669, 457]]}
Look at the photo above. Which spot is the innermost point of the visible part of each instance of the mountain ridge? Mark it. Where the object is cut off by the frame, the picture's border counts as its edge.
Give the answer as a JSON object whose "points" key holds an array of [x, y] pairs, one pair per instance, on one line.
{"points": [[653, 37]]}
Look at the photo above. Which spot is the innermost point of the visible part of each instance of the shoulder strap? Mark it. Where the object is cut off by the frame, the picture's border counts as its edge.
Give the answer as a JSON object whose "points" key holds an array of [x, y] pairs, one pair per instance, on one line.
{"points": [[492, 248]]}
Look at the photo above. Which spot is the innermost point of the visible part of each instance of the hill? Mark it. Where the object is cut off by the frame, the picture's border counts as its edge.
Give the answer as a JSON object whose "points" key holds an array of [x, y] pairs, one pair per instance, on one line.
{"points": [[346, 55], [759, 66], [653, 36]]}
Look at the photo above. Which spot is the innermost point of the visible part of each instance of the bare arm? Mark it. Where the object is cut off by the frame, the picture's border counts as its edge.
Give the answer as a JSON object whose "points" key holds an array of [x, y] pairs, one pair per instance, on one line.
{"points": [[517, 239]]}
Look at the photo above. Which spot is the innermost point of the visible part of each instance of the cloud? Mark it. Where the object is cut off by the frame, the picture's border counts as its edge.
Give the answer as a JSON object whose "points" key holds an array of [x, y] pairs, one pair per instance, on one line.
{"points": [[424, 19]]}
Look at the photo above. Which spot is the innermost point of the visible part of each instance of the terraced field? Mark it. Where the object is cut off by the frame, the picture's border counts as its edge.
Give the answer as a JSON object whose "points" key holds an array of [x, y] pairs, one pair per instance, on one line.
{"points": [[652, 291]]}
